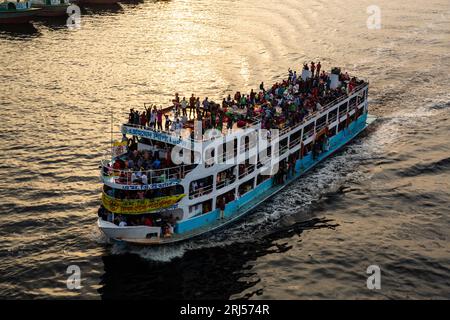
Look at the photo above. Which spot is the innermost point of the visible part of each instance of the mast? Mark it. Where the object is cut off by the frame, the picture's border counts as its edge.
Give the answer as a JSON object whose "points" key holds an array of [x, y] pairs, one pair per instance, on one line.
{"points": [[112, 120]]}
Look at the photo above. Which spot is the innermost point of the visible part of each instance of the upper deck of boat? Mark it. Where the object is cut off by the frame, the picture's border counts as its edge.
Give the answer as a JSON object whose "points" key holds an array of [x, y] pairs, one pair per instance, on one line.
{"points": [[279, 111], [272, 113]]}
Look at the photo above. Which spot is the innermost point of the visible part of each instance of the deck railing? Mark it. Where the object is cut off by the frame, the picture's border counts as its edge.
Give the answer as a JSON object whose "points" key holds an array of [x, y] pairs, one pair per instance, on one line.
{"points": [[256, 120], [200, 191], [225, 182], [323, 109], [125, 176]]}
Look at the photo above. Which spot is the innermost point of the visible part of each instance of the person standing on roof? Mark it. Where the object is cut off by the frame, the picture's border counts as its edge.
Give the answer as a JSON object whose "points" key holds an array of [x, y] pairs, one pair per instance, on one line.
{"points": [[205, 104], [191, 105], [159, 115], [184, 106], [313, 68]]}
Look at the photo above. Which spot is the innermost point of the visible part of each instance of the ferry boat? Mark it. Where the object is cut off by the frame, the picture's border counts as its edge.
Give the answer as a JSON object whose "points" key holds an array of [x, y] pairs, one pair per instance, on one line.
{"points": [[170, 182], [51, 8], [19, 11]]}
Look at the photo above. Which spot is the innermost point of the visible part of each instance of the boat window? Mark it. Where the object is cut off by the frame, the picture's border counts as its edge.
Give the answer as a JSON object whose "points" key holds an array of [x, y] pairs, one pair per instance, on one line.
{"points": [[227, 197], [209, 157], [248, 141], [342, 110], [261, 178], [195, 209], [201, 187], [307, 148], [321, 123], [283, 146], [308, 131], [295, 139], [201, 208], [332, 132], [352, 118], [245, 168], [225, 177], [341, 126], [246, 187], [332, 116], [264, 156], [228, 150], [358, 112]]}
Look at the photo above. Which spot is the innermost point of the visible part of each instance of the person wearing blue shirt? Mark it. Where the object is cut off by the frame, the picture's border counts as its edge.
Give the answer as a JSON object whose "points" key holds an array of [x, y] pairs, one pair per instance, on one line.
{"points": [[156, 164]]}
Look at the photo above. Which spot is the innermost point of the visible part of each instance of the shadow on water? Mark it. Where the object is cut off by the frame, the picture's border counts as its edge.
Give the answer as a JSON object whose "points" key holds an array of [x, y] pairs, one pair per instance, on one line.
{"points": [[53, 23], [100, 9], [23, 31], [206, 273]]}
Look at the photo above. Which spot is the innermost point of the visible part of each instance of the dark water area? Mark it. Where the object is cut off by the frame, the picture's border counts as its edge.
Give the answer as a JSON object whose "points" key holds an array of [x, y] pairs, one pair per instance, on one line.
{"points": [[383, 200]]}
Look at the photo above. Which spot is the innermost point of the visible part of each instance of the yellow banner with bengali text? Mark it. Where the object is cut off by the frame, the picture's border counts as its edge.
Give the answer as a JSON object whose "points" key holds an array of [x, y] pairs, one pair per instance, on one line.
{"points": [[139, 206]]}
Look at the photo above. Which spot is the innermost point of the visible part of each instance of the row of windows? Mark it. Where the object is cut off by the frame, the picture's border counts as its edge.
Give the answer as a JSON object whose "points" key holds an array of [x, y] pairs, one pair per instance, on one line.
{"points": [[204, 186], [228, 176], [223, 199], [229, 149]]}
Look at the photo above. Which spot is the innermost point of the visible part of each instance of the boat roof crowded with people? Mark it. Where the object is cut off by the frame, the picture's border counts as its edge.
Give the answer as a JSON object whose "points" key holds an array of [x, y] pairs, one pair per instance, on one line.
{"points": [[171, 174]]}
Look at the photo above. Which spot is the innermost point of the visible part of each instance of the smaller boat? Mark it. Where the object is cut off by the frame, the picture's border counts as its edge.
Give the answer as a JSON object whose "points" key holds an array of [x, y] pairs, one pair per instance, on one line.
{"points": [[51, 8], [18, 11], [100, 2]]}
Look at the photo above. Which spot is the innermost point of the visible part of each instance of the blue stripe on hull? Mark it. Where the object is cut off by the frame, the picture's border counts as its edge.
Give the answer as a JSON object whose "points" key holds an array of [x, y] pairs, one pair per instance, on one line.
{"points": [[252, 198]]}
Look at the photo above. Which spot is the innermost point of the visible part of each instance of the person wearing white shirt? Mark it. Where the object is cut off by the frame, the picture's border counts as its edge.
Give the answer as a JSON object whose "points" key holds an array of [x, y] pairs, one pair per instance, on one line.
{"points": [[144, 179], [153, 119], [122, 224], [183, 106]]}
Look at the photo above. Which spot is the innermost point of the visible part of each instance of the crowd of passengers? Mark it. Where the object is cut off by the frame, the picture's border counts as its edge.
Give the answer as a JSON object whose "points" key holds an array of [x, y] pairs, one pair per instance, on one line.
{"points": [[225, 177], [200, 187], [204, 185], [285, 103], [150, 219], [137, 165]]}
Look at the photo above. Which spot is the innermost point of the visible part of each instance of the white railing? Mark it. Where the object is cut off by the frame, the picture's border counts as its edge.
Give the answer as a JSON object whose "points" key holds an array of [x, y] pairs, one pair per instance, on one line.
{"points": [[124, 177], [225, 182], [255, 120], [247, 170], [323, 109], [201, 191]]}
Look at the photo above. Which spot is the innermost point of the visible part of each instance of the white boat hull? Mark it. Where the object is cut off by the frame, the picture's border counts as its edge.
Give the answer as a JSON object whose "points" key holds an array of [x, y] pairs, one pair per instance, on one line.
{"points": [[115, 232]]}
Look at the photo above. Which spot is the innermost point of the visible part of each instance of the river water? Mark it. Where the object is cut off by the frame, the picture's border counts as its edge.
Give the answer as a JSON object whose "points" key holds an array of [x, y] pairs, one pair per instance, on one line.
{"points": [[383, 200]]}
